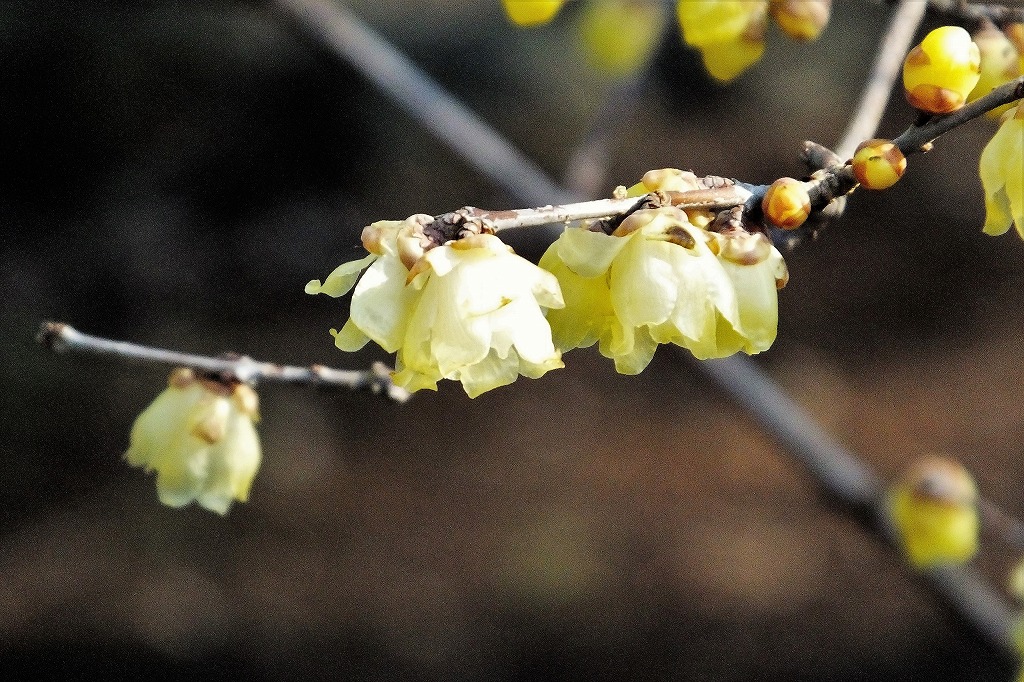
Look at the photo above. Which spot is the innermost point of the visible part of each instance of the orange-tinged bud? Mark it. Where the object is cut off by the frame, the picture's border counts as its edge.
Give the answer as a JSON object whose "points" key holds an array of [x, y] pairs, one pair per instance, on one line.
{"points": [[801, 19], [878, 164], [532, 12], [786, 204], [939, 73]]}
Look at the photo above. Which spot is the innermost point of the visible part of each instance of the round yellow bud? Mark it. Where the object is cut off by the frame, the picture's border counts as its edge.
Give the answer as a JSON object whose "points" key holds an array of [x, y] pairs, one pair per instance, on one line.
{"points": [[801, 19], [786, 204], [939, 73], [532, 12], [878, 164]]}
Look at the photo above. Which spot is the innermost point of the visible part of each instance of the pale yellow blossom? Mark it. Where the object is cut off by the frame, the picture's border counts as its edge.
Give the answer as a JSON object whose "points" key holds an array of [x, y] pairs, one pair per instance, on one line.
{"points": [[198, 436]]}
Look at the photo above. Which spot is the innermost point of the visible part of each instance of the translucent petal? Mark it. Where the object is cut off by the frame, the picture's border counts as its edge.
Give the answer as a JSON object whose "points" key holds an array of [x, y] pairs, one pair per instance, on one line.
{"points": [[339, 282], [382, 302], [588, 306], [588, 254], [643, 283], [490, 372], [351, 338], [639, 357]]}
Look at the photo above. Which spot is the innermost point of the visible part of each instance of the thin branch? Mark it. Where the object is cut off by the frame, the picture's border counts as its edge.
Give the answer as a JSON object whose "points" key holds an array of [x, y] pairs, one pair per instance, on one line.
{"points": [[63, 338], [886, 70], [977, 12], [425, 100], [918, 138], [840, 472], [847, 480]]}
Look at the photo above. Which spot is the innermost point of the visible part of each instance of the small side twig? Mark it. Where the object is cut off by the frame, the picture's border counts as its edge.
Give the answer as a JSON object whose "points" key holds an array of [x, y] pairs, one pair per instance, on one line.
{"points": [[918, 138], [63, 338]]}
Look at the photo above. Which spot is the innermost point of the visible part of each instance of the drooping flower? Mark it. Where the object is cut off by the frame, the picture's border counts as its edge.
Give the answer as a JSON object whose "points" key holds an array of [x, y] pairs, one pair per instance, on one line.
{"points": [[198, 436], [467, 309], [728, 33], [1002, 175], [999, 65], [934, 513], [619, 35], [659, 279]]}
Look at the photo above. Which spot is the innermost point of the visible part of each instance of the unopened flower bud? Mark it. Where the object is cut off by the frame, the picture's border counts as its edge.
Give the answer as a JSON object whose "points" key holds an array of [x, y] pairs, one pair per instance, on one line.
{"points": [[531, 12], [786, 204], [878, 164], [801, 19], [939, 73]]}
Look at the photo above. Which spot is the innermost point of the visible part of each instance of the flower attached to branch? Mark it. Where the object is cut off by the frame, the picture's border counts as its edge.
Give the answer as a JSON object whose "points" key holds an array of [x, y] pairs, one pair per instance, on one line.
{"points": [[999, 64], [656, 279], [453, 302], [198, 436], [941, 72], [934, 513], [728, 33], [1002, 175]]}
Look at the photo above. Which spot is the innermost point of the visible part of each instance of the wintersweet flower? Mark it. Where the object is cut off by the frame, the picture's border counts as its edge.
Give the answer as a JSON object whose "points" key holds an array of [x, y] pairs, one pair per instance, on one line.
{"points": [[728, 33], [659, 279], [1002, 175], [467, 309], [198, 436]]}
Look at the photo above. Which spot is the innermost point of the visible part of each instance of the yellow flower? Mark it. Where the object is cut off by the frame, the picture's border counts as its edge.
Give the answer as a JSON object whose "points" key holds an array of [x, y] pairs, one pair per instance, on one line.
{"points": [[934, 512], [198, 436], [658, 279], [619, 35], [939, 73], [1002, 175], [469, 310], [531, 12], [728, 33], [999, 65]]}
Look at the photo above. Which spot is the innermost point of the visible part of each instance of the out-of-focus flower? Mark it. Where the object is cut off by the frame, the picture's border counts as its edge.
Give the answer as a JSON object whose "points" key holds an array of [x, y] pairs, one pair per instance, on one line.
{"points": [[532, 12], [728, 33], [801, 19], [618, 36], [198, 436], [1002, 175], [468, 309], [934, 512], [659, 279], [939, 73], [999, 64]]}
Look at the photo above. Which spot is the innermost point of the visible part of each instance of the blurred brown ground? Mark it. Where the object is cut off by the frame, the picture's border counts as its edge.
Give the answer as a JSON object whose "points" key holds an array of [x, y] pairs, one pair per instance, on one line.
{"points": [[177, 171]]}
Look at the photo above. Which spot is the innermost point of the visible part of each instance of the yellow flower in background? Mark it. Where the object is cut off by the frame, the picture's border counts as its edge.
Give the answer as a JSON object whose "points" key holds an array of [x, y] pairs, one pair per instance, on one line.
{"points": [[469, 310], [659, 279], [728, 33], [999, 65], [531, 12], [198, 436], [801, 19], [934, 512], [1002, 175], [618, 36]]}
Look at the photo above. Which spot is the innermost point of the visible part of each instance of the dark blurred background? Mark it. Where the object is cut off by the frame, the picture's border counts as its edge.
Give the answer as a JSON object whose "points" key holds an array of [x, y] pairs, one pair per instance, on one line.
{"points": [[176, 171]]}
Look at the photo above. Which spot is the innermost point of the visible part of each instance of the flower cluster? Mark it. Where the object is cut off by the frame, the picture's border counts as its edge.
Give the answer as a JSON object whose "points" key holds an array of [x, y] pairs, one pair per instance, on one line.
{"points": [[656, 279], [454, 302], [198, 436], [730, 33], [619, 35], [465, 308], [1002, 175]]}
